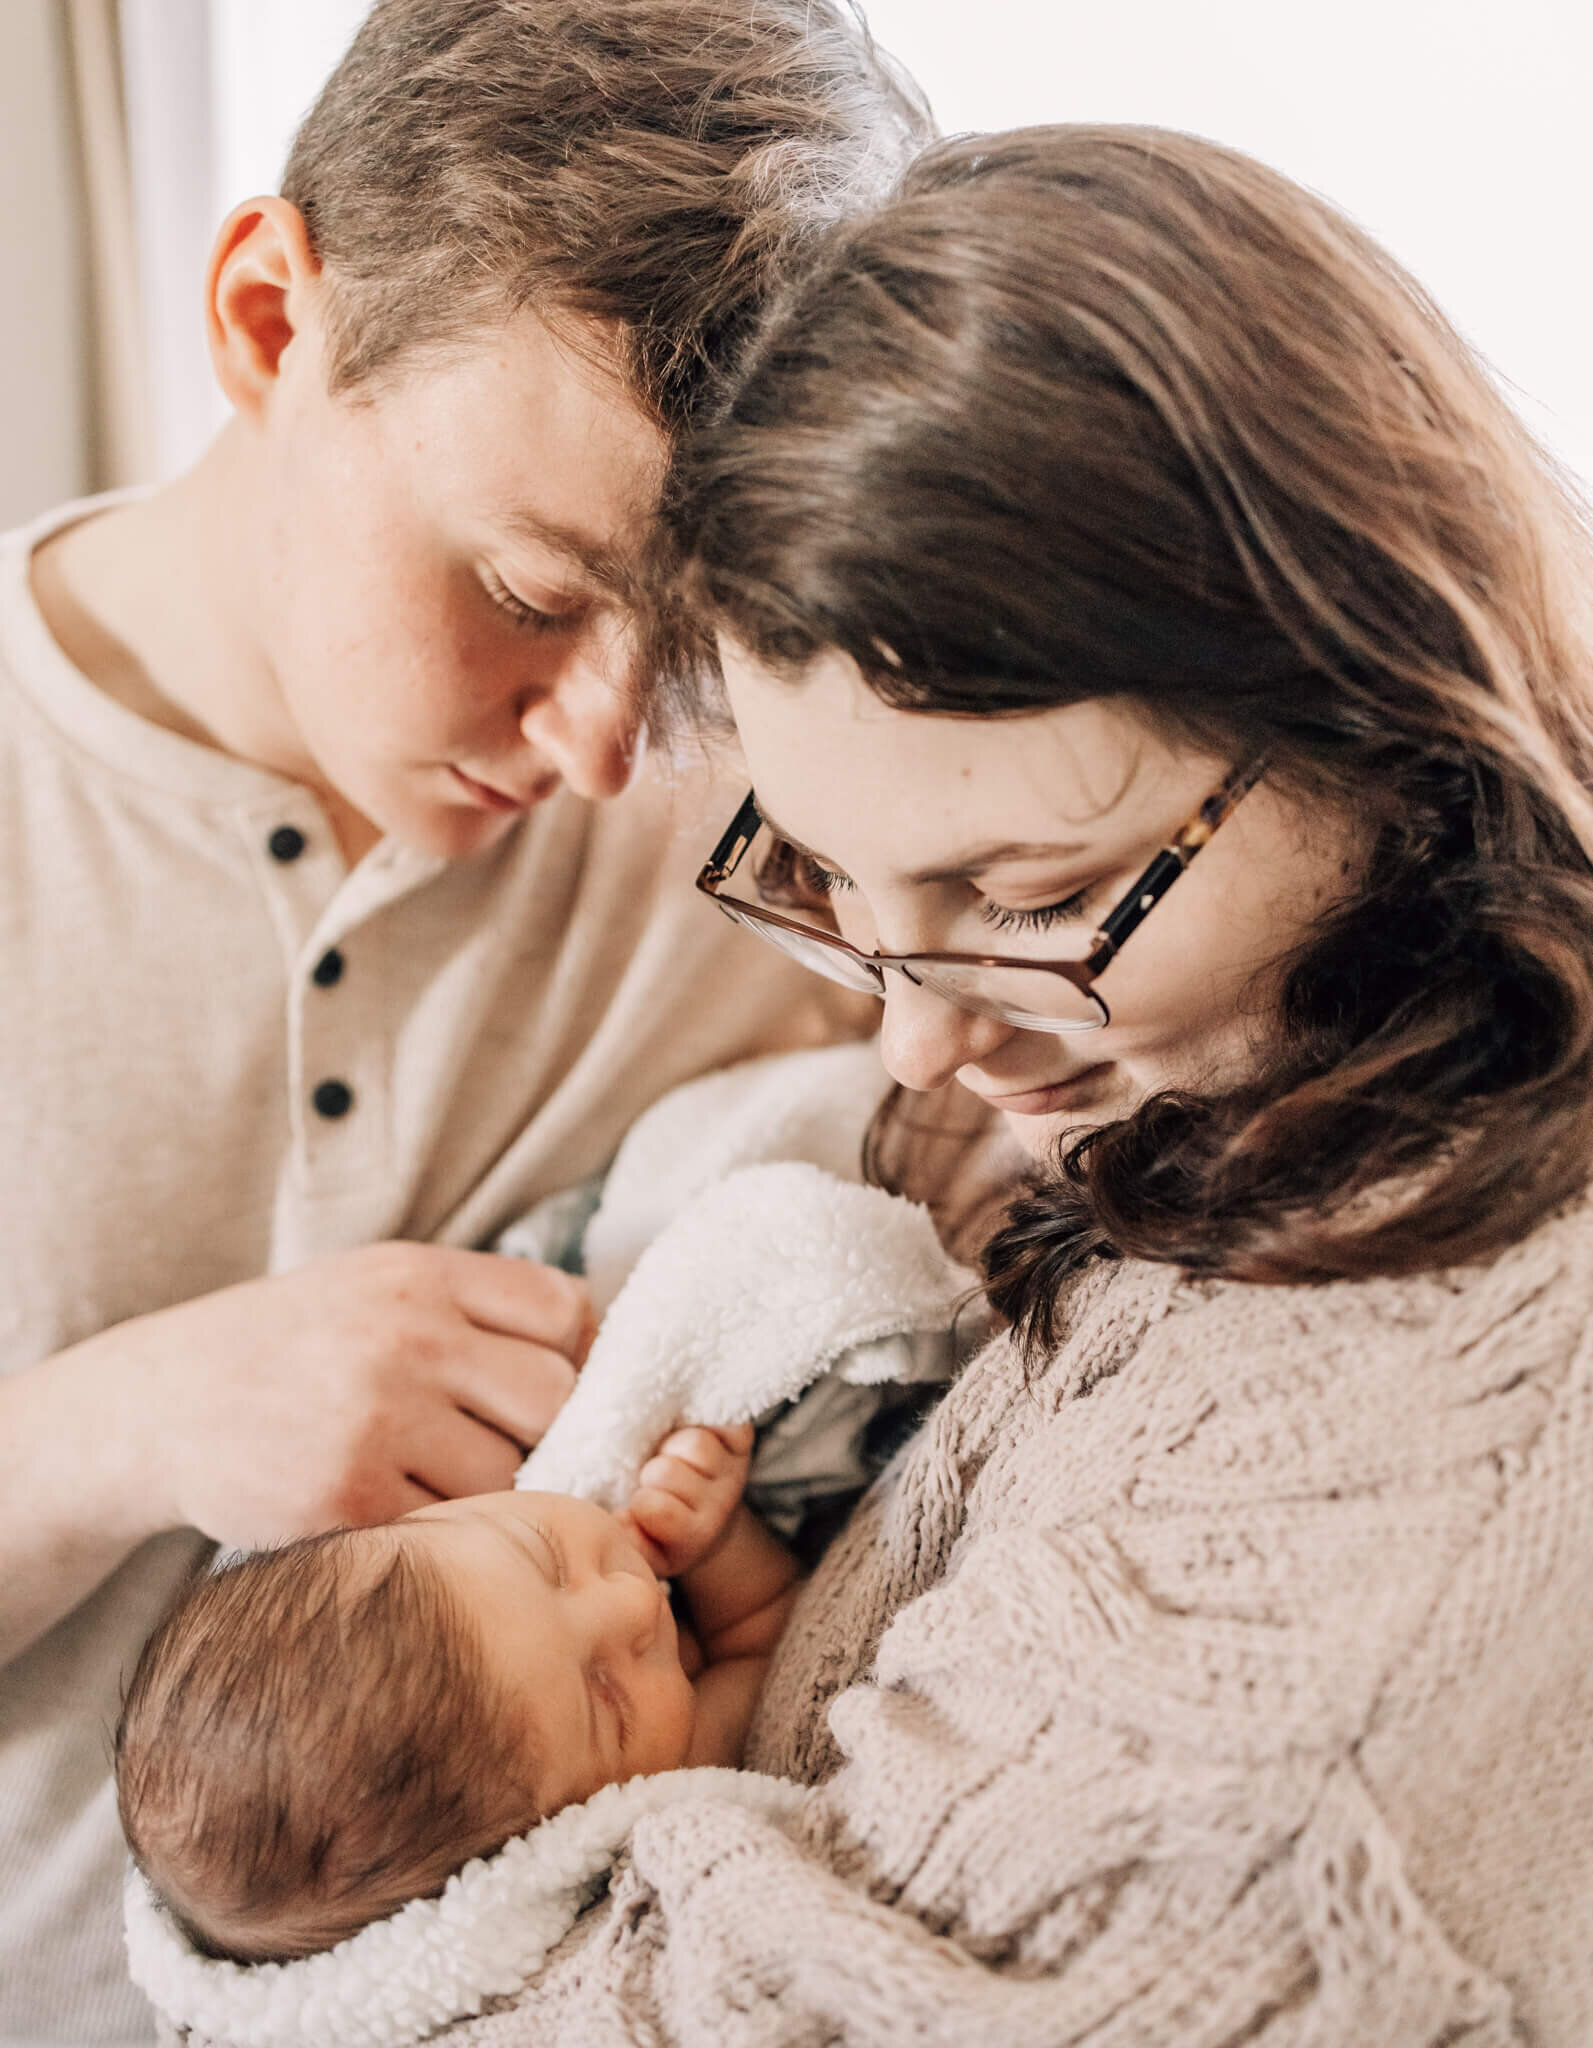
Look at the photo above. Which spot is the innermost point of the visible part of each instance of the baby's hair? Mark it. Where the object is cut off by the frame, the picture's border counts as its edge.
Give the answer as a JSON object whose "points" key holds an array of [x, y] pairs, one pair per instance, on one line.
{"points": [[310, 1740]]}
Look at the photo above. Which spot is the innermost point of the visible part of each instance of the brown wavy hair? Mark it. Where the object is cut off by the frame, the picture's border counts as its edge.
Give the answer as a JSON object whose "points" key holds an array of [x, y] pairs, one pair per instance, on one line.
{"points": [[1112, 412]]}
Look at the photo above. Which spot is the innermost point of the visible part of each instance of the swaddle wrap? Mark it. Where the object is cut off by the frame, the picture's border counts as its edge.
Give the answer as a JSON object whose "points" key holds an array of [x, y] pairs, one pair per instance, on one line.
{"points": [[733, 1286]]}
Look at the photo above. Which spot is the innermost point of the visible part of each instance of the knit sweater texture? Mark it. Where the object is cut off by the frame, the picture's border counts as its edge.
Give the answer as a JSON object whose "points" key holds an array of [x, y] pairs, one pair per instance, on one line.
{"points": [[1227, 1680]]}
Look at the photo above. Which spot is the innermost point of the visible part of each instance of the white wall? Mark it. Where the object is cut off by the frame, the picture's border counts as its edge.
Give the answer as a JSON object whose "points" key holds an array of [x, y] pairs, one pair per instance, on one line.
{"points": [[268, 63], [1459, 132], [43, 365], [215, 89]]}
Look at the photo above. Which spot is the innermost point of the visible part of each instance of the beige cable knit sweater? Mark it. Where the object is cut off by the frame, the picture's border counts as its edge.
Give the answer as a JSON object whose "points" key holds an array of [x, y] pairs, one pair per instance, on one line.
{"points": [[1231, 1682]]}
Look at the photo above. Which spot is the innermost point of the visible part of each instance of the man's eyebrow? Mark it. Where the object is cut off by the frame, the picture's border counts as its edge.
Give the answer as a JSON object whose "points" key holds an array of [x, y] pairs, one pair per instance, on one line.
{"points": [[974, 862], [597, 561]]}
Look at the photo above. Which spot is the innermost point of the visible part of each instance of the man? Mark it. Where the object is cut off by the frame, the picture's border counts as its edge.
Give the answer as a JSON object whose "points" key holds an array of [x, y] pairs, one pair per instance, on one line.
{"points": [[319, 960]]}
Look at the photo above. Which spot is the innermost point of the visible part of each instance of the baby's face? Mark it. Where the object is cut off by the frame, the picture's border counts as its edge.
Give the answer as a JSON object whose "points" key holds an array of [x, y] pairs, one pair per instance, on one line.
{"points": [[575, 1628]]}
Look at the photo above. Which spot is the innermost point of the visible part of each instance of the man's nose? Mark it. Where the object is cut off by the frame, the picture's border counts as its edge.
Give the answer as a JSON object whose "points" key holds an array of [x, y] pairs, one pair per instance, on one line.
{"points": [[588, 727], [924, 1039]]}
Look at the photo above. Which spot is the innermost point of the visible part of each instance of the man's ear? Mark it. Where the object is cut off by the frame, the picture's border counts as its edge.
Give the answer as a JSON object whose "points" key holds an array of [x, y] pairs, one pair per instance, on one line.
{"points": [[260, 291]]}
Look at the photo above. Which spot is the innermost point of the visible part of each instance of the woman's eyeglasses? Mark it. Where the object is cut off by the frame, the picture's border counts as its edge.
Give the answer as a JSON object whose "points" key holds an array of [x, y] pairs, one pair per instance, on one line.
{"points": [[1034, 995]]}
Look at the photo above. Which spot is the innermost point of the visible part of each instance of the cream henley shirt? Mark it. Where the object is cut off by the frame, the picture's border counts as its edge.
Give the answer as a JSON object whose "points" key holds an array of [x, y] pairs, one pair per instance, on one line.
{"points": [[225, 1054]]}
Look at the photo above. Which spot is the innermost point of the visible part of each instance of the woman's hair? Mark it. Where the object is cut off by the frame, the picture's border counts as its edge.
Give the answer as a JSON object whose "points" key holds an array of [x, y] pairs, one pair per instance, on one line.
{"points": [[644, 163], [1110, 412], [309, 1741]]}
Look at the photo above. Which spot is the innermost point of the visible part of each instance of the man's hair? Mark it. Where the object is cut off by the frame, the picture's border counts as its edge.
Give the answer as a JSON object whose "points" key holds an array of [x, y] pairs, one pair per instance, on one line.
{"points": [[647, 164], [309, 1741]]}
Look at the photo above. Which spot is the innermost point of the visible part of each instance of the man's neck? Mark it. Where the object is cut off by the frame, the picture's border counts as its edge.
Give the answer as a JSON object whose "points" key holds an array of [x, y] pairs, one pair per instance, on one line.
{"points": [[155, 602]]}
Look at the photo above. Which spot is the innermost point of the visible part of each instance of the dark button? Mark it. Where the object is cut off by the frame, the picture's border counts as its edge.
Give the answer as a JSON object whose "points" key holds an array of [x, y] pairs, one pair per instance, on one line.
{"points": [[328, 970], [333, 1099], [286, 843]]}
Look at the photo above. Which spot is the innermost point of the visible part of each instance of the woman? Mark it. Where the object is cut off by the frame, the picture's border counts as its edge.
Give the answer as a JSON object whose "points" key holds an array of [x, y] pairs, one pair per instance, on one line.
{"points": [[1216, 1665], [1106, 483]]}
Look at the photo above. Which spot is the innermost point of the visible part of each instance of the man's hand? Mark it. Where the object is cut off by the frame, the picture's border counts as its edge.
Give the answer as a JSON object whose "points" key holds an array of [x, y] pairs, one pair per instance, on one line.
{"points": [[686, 1494], [347, 1391], [356, 1388]]}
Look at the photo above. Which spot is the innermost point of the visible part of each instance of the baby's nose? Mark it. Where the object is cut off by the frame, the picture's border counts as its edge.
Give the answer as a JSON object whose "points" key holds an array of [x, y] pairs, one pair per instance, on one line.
{"points": [[632, 1612]]}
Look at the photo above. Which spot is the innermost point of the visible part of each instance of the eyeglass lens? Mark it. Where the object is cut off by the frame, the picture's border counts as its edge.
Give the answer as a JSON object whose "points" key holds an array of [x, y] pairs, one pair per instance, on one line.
{"points": [[1027, 997], [825, 960]]}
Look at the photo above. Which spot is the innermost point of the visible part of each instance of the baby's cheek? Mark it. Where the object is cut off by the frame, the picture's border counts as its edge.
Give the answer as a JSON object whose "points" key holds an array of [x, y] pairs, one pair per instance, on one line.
{"points": [[676, 1715]]}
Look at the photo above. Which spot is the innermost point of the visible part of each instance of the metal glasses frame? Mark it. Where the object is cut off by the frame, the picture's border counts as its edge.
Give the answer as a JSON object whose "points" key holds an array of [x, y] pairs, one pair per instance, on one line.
{"points": [[1125, 917]]}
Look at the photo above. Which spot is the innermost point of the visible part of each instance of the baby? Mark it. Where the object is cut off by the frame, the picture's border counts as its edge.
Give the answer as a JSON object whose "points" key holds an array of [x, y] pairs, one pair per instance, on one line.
{"points": [[318, 1734]]}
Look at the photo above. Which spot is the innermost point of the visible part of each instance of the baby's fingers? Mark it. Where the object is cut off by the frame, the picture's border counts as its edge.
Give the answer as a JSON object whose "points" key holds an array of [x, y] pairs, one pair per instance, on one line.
{"points": [[665, 1473], [664, 1518], [655, 1557], [709, 1452]]}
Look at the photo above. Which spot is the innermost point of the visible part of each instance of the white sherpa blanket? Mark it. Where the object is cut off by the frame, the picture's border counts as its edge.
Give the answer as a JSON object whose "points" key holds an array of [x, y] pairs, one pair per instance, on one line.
{"points": [[739, 1270]]}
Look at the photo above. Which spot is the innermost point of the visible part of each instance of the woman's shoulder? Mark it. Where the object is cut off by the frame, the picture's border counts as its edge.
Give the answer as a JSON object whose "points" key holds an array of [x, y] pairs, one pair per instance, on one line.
{"points": [[1267, 1449], [1526, 1308]]}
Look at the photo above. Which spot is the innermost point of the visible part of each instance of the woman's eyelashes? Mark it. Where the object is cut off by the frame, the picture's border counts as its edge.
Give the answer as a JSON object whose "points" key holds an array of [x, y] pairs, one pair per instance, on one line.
{"points": [[821, 880], [1042, 917], [999, 916]]}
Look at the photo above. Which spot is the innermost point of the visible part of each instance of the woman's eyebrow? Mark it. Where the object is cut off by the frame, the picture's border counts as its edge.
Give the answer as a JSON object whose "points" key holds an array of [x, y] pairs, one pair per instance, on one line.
{"points": [[974, 862]]}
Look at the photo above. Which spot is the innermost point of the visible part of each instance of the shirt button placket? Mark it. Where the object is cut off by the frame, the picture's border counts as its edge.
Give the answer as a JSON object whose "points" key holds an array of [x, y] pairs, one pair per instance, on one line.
{"points": [[331, 1099], [335, 1188]]}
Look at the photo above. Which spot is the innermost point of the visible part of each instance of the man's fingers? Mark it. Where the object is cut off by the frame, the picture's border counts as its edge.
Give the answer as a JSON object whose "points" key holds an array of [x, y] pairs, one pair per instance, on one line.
{"points": [[461, 1456], [412, 1494], [512, 1385], [522, 1299]]}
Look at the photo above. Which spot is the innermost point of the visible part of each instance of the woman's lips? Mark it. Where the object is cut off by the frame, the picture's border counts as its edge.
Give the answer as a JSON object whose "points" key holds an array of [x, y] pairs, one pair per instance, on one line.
{"points": [[1084, 1090]]}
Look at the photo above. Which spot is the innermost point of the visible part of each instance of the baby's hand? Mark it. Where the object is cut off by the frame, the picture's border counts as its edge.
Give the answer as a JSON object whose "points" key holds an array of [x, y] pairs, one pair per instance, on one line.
{"points": [[686, 1494]]}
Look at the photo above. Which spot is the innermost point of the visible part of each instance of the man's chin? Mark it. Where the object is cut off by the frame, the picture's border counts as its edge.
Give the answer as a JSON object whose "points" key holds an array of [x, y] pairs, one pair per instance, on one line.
{"points": [[451, 832]]}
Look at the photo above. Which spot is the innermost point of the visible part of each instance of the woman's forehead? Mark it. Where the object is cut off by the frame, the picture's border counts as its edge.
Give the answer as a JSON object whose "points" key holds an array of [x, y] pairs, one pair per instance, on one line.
{"points": [[837, 768]]}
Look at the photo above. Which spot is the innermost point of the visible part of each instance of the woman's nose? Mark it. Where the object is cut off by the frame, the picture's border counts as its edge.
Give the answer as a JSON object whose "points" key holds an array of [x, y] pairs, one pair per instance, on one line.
{"points": [[924, 1039]]}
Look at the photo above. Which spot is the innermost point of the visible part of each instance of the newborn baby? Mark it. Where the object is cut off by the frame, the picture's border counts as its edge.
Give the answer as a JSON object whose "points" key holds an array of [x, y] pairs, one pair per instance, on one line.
{"points": [[316, 1735]]}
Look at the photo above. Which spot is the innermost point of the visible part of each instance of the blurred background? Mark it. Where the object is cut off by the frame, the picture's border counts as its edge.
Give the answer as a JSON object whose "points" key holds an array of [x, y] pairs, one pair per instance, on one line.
{"points": [[1457, 131]]}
